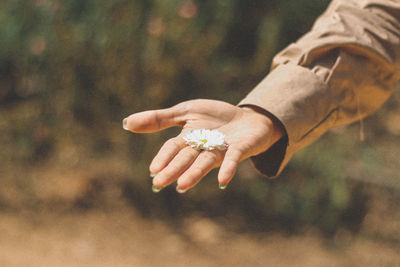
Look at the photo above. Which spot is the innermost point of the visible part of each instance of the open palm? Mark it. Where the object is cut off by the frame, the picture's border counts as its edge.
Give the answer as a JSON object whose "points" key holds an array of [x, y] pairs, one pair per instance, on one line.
{"points": [[248, 132]]}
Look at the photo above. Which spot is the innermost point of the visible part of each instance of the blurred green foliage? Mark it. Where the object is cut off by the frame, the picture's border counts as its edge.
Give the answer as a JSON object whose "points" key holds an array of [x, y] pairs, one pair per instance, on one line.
{"points": [[70, 71]]}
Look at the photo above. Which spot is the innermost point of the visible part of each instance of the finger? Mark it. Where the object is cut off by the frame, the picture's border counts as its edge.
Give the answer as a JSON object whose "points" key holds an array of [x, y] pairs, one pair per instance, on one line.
{"points": [[180, 163], [155, 120], [204, 163], [229, 165], [167, 153]]}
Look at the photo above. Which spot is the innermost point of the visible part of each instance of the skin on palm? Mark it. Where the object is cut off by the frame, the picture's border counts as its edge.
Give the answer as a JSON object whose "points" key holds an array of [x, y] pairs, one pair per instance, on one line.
{"points": [[248, 132]]}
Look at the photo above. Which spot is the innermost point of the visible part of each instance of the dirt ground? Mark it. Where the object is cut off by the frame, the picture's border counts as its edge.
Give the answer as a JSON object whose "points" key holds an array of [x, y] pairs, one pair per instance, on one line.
{"points": [[123, 238], [117, 234]]}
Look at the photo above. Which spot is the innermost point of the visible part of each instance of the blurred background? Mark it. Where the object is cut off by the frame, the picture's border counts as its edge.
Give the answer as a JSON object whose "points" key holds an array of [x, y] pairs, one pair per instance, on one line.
{"points": [[75, 188]]}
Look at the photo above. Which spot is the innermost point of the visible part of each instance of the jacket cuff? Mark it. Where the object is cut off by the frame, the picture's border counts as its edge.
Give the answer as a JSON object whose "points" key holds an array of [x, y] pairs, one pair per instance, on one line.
{"points": [[292, 94]]}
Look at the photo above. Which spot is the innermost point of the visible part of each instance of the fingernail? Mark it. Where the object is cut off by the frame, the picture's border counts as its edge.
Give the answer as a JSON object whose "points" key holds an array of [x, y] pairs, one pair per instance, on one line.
{"points": [[125, 124], [156, 189], [222, 187], [152, 175], [181, 191]]}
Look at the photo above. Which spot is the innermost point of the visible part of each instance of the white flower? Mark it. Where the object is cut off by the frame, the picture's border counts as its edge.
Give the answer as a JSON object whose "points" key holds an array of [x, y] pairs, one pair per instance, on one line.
{"points": [[204, 139]]}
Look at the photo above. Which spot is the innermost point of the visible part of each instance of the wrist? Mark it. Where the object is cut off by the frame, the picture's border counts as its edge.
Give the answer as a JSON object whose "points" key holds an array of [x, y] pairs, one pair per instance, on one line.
{"points": [[276, 128]]}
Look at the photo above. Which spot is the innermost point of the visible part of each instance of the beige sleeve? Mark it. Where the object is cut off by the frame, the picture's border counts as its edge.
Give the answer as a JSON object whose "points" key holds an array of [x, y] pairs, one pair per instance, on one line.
{"points": [[342, 70]]}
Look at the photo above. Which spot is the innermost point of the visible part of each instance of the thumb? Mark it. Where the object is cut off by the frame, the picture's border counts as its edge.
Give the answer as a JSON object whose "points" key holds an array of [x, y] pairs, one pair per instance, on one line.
{"points": [[154, 120]]}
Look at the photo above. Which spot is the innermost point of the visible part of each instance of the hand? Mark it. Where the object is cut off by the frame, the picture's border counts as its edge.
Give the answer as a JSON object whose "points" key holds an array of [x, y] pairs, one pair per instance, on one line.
{"points": [[248, 133]]}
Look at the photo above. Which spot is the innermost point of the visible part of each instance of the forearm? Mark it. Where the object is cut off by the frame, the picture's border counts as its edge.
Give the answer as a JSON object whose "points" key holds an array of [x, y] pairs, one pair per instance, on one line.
{"points": [[342, 70]]}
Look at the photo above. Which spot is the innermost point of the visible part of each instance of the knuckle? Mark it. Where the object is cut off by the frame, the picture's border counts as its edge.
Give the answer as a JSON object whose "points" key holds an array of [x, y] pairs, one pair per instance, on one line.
{"points": [[240, 149], [236, 152], [165, 177], [210, 156], [153, 168], [173, 142], [168, 173], [157, 119], [195, 174], [189, 154], [184, 107]]}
